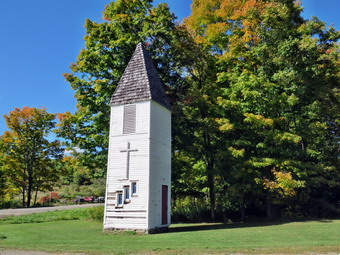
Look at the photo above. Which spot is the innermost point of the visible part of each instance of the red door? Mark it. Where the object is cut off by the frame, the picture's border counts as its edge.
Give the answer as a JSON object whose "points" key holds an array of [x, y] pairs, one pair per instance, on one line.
{"points": [[164, 204]]}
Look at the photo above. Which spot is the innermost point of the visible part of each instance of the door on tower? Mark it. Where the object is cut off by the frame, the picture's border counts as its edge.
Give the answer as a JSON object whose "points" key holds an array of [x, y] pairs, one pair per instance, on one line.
{"points": [[164, 204]]}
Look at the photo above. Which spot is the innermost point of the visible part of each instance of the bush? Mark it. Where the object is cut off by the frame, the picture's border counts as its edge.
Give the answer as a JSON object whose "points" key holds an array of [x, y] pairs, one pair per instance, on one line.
{"points": [[53, 197], [190, 210], [96, 213], [13, 203], [293, 212], [71, 191]]}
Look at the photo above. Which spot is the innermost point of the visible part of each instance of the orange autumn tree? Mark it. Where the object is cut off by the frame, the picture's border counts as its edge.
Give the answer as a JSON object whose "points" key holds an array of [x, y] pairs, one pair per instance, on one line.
{"points": [[212, 19], [28, 155]]}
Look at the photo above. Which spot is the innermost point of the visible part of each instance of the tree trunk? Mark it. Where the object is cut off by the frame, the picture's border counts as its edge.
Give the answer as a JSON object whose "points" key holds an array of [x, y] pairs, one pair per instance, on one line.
{"points": [[23, 196], [29, 190], [35, 197], [242, 210], [24, 188], [269, 208], [211, 186]]}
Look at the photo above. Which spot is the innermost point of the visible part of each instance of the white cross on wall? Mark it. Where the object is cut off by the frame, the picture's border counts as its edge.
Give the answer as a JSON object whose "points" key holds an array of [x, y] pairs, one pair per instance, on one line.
{"points": [[128, 150]]}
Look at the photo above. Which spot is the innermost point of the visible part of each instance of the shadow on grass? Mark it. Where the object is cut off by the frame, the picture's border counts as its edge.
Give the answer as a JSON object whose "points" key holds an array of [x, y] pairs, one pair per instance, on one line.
{"points": [[325, 221], [215, 226]]}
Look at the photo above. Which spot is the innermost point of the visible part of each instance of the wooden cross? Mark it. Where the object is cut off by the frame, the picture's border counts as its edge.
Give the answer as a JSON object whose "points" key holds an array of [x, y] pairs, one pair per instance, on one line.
{"points": [[128, 150]]}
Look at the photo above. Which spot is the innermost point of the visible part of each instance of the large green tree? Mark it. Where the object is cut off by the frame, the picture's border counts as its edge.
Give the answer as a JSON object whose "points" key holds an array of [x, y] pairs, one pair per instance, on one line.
{"points": [[27, 154], [278, 79], [108, 48]]}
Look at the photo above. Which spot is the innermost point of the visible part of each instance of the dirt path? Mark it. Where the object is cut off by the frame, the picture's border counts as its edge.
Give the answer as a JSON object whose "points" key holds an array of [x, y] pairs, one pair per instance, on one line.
{"points": [[23, 211]]}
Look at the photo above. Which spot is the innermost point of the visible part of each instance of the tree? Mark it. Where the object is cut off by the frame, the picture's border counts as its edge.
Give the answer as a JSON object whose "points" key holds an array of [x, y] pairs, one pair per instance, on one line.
{"points": [[278, 76], [28, 154], [3, 178], [100, 65], [74, 171]]}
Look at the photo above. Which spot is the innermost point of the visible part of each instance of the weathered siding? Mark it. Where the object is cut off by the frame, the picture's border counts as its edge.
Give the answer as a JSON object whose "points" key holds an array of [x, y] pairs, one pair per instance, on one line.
{"points": [[160, 162], [133, 215], [150, 167]]}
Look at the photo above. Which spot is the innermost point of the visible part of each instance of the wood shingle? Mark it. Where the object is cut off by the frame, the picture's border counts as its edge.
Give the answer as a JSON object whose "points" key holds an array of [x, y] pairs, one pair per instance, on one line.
{"points": [[140, 82]]}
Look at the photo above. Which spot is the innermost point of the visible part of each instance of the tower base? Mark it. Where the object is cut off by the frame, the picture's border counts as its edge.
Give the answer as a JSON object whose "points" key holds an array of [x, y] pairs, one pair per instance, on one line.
{"points": [[145, 231]]}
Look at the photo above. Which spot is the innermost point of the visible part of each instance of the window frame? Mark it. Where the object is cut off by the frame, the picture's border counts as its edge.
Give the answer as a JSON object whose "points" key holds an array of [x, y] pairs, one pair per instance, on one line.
{"points": [[118, 194], [126, 191], [131, 192]]}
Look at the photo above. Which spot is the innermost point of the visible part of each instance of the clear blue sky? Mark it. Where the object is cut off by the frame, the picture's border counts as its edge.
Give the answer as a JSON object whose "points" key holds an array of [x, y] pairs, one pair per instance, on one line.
{"points": [[40, 38]]}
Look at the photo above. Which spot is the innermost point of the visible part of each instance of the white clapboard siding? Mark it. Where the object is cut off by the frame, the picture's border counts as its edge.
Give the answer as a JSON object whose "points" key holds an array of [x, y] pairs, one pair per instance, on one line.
{"points": [[138, 168], [125, 223], [160, 162], [127, 214], [150, 167]]}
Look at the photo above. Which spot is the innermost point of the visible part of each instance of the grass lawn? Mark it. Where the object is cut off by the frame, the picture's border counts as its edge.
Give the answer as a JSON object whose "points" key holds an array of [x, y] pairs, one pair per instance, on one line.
{"points": [[60, 235]]}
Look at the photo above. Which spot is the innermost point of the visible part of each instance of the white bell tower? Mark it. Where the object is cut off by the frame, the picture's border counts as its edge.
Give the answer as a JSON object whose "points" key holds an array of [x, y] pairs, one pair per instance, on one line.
{"points": [[139, 160]]}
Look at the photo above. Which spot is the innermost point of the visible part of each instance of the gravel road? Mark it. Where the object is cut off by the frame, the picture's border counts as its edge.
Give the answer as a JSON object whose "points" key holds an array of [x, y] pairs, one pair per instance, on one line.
{"points": [[23, 211]]}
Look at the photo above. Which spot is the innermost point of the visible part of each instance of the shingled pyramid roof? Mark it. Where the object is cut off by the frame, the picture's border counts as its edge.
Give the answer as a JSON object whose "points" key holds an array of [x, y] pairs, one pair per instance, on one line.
{"points": [[140, 81]]}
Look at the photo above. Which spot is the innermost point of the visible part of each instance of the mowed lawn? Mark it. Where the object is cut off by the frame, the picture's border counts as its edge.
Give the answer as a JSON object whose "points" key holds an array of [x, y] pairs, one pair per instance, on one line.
{"points": [[87, 237]]}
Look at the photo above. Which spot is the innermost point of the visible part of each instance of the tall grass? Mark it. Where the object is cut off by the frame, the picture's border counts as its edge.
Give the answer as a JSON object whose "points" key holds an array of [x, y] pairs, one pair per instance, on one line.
{"points": [[95, 213], [92, 213]]}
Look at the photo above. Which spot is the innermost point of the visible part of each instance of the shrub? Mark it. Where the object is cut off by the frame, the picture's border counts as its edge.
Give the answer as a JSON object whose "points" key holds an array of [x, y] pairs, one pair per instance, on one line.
{"points": [[13, 203], [293, 212], [190, 210], [71, 191], [53, 197], [96, 213]]}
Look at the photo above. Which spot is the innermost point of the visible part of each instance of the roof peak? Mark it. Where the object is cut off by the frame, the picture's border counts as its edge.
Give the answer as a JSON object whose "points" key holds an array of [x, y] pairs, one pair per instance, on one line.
{"points": [[140, 81]]}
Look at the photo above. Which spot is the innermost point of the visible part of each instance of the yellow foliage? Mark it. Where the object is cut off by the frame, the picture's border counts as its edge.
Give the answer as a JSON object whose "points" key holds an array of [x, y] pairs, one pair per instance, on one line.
{"points": [[210, 18], [236, 153], [226, 103], [321, 125], [284, 184], [258, 119], [260, 162], [225, 124], [216, 29], [289, 137]]}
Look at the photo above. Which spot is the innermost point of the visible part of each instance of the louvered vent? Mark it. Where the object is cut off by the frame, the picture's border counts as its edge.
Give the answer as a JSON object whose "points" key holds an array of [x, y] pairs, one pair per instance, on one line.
{"points": [[129, 125]]}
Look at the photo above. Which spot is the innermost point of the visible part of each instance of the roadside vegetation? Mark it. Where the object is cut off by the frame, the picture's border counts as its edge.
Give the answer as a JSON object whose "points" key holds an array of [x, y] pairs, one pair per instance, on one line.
{"points": [[93, 213]]}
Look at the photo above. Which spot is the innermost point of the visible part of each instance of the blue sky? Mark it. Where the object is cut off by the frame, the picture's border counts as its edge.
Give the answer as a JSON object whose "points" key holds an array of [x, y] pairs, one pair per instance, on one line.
{"points": [[40, 38]]}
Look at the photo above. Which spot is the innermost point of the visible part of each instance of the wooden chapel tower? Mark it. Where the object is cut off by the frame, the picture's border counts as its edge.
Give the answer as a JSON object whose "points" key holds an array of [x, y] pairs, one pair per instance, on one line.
{"points": [[139, 159]]}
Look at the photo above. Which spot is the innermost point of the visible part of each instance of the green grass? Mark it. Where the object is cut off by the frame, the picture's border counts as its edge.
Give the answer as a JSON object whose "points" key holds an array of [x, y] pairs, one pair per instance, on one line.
{"points": [[87, 237], [75, 214]]}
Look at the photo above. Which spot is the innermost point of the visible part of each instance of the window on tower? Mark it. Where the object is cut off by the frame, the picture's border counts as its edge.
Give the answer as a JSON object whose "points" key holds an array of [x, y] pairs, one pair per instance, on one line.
{"points": [[129, 123], [127, 194], [133, 188], [120, 201]]}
